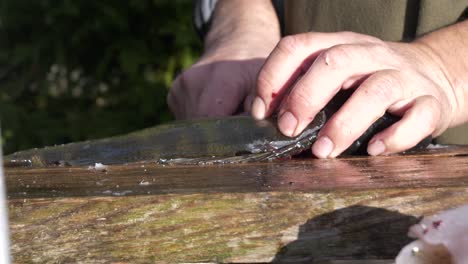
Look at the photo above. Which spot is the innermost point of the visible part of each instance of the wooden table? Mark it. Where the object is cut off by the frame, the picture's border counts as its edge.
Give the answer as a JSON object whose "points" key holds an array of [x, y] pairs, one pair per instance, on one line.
{"points": [[303, 210]]}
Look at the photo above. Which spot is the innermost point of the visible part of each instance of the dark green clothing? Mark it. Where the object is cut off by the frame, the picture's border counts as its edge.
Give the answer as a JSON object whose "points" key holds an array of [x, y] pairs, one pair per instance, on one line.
{"points": [[392, 20]]}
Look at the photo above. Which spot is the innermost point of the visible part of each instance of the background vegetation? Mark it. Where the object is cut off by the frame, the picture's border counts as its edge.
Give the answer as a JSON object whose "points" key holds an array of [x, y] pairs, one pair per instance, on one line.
{"points": [[74, 70]]}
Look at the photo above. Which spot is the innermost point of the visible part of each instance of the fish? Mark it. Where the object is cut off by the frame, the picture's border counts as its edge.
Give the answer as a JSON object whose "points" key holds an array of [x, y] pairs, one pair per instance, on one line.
{"points": [[441, 238], [204, 141], [223, 140]]}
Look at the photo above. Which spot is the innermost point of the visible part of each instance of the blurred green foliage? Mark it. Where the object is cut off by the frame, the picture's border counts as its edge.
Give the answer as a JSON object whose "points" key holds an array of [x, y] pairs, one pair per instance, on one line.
{"points": [[75, 70]]}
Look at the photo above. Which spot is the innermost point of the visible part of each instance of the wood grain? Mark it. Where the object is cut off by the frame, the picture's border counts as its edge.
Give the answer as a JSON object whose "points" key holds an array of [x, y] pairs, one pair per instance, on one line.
{"points": [[303, 210]]}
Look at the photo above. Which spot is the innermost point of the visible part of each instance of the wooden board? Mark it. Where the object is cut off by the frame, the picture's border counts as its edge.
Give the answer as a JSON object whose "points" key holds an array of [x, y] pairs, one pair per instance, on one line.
{"points": [[324, 211]]}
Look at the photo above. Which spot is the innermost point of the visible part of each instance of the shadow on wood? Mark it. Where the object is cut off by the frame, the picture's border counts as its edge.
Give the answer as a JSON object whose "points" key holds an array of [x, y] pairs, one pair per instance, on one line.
{"points": [[375, 233]]}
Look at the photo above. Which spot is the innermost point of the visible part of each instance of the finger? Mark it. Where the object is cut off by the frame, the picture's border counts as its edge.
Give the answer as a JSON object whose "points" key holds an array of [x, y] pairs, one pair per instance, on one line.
{"points": [[172, 99], [248, 103], [421, 120], [188, 91], [288, 60], [367, 104], [171, 103], [353, 81], [324, 79], [250, 91]]}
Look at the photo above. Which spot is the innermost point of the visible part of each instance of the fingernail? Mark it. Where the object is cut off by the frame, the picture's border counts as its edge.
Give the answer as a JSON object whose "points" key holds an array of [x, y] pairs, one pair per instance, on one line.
{"points": [[376, 148], [287, 124], [258, 108], [323, 147]]}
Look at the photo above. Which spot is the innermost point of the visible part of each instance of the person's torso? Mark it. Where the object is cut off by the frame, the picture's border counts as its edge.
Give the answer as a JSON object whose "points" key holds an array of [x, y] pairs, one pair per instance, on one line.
{"points": [[392, 20]]}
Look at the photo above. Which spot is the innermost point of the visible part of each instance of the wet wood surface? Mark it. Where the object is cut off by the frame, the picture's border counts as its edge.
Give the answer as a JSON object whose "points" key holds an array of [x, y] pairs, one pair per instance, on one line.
{"points": [[303, 210]]}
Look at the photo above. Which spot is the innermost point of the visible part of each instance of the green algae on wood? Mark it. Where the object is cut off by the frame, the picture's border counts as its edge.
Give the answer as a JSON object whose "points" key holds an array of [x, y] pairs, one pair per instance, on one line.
{"points": [[243, 227], [342, 209]]}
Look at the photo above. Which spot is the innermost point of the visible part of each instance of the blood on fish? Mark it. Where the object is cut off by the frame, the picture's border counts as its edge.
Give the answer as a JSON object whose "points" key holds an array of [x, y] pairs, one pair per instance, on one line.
{"points": [[272, 104], [424, 228], [436, 224]]}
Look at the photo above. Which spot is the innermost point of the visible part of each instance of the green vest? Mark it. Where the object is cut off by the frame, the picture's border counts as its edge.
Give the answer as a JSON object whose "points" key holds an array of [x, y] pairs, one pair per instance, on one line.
{"points": [[392, 20]]}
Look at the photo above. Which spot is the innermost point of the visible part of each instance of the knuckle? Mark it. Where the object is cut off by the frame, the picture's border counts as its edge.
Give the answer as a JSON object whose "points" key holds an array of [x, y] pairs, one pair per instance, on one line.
{"points": [[385, 88], [372, 39], [338, 56], [170, 103], [351, 35], [174, 105], [176, 82], [170, 96], [180, 81], [289, 45], [382, 49], [264, 83], [343, 126], [432, 115], [301, 100], [382, 92], [358, 37]]}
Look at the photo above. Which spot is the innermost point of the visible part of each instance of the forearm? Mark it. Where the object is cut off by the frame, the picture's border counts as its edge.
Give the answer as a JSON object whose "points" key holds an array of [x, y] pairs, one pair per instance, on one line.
{"points": [[449, 46], [252, 24]]}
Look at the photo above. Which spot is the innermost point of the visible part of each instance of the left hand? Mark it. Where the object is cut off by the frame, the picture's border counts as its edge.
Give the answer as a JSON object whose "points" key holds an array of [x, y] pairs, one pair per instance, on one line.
{"points": [[405, 79]]}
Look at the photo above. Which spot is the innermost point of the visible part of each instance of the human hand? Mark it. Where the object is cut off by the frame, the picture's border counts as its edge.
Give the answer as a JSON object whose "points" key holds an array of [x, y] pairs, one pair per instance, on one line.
{"points": [[216, 85], [405, 79], [241, 36]]}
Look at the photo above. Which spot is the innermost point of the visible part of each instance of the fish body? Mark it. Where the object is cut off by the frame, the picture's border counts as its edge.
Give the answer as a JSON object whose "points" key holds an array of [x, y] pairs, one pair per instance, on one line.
{"points": [[231, 139]]}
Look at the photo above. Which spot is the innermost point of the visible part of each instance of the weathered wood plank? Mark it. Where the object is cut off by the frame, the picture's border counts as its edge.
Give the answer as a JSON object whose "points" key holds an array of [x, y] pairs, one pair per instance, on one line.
{"points": [[290, 211], [442, 168]]}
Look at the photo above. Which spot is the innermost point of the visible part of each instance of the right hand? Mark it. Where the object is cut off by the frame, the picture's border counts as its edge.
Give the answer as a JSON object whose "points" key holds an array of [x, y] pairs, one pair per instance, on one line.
{"points": [[218, 84]]}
